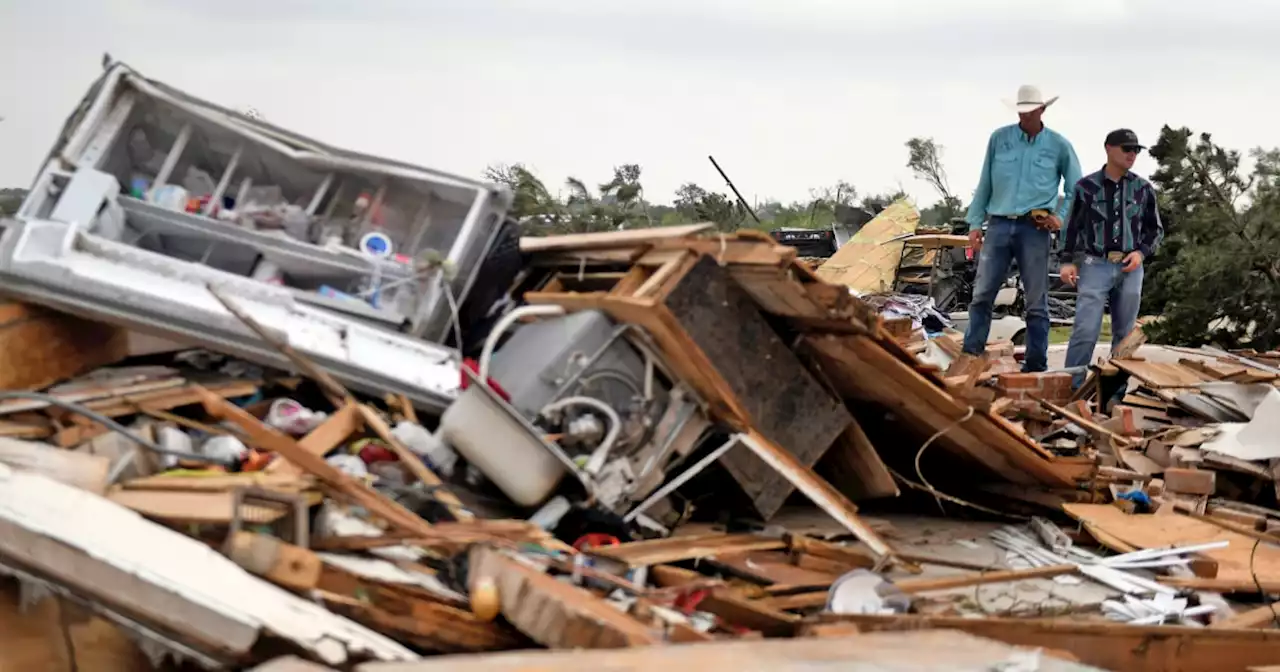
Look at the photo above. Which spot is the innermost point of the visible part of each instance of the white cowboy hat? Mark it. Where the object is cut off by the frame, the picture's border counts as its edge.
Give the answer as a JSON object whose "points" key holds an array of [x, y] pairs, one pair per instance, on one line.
{"points": [[1030, 98]]}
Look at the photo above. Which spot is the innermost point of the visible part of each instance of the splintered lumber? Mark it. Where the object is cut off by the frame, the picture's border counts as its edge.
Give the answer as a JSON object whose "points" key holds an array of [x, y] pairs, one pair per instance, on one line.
{"points": [[87, 472], [854, 467], [219, 482], [305, 366], [675, 549], [194, 507], [818, 491], [1098, 431], [43, 635], [608, 239], [862, 369], [161, 581], [1236, 572], [1266, 616], [729, 604], [331, 433], [924, 650], [414, 464], [913, 586], [1126, 648], [552, 613], [281, 563], [355, 491]]}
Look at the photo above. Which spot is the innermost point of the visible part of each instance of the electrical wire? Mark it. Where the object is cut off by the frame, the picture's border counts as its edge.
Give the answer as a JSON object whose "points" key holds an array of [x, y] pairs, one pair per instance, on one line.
{"points": [[1267, 601], [110, 424], [929, 442]]}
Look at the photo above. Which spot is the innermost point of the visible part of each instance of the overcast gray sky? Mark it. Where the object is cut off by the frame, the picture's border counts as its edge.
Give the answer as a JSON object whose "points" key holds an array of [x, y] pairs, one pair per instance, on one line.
{"points": [[787, 95]]}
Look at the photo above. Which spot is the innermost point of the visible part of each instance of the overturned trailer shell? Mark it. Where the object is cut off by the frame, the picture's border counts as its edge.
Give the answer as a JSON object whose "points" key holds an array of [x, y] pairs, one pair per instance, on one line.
{"points": [[88, 241]]}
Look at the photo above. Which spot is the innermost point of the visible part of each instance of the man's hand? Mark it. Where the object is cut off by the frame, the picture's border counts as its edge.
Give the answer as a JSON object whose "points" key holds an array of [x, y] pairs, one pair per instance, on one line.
{"points": [[1132, 261], [1048, 222], [1069, 274], [975, 240]]}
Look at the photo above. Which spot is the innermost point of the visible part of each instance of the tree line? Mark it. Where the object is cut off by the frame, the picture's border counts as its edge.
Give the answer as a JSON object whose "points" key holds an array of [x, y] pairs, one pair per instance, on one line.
{"points": [[1216, 279]]}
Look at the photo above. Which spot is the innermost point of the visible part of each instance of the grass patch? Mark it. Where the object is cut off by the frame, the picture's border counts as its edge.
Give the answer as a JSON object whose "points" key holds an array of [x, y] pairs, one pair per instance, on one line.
{"points": [[1060, 335]]}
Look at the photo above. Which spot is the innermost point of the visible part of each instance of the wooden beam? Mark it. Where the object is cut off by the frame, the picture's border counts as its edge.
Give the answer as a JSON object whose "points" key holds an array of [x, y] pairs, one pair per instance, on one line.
{"points": [[553, 613], [351, 489], [415, 464], [329, 435], [1259, 617], [729, 604], [818, 491], [1125, 648], [913, 586], [675, 549]]}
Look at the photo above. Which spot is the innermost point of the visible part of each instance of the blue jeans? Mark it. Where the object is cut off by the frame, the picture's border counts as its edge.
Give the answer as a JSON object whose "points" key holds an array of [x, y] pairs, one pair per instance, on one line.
{"points": [[1101, 280], [1008, 239]]}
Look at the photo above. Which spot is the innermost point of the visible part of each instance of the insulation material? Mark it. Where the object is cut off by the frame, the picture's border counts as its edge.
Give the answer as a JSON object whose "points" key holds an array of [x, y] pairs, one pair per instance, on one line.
{"points": [[869, 261]]}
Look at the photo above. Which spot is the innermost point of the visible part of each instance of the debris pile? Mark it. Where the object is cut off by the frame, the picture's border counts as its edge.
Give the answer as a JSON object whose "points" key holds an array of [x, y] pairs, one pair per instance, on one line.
{"points": [[673, 445]]}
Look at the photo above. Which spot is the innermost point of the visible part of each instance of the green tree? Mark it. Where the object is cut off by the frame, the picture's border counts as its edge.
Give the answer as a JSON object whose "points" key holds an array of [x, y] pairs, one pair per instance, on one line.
{"points": [[700, 205], [1217, 276], [530, 195], [924, 158]]}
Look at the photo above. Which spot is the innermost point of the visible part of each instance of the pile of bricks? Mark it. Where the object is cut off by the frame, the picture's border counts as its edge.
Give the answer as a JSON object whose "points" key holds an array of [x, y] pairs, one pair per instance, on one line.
{"points": [[1054, 387]]}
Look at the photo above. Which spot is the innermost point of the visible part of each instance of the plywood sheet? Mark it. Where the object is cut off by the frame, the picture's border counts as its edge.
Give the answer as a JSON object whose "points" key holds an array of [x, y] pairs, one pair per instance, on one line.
{"points": [[39, 347], [1161, 531], [869, 261], [1161, 374]]}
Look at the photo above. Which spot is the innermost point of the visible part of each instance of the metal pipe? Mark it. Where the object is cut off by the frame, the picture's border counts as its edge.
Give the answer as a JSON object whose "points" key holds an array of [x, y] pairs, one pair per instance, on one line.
{"points": [[110, 424], [682, 478], [505, 323], [598, 456], [729, 182]]}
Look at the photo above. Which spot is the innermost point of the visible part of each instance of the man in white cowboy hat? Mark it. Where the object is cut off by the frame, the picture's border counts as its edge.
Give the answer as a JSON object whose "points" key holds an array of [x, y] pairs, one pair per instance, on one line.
{"points": [[1018, 198]]}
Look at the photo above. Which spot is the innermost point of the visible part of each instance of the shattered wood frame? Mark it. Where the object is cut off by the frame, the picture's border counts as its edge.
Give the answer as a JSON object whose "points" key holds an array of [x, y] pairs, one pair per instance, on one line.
{"points": [[841, 337]]}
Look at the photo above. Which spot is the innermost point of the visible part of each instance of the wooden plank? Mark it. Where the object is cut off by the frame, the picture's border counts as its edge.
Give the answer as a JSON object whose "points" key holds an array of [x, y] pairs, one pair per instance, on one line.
{"points": [[676, 549], [862, 369], [1128, 648], [782, 399], [92, 393], [191, 507], [817, 490], [1258, 617], [1144, 531], [772, 567], [331, 433], [1098, 431], [936, 240], [39, 346], [1161, 374], [46, 635], [351, 489], [879, 652], [84, 471], [414, 463], [915, 586], [219, 482], [553, 613], [608, 239], [854, 467], [281, 563], [730, 605]]}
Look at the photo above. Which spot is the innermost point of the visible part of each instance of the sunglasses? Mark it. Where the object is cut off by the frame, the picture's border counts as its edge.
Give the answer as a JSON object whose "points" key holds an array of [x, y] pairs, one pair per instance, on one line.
{"points": [[1131, 149]]}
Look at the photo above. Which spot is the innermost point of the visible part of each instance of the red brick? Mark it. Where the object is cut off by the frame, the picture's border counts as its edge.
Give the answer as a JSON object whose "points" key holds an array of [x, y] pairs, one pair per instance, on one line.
{"points": [[1190, 481], [1018, 381], [1055, 381], [1128, 424], [1081, 408]]}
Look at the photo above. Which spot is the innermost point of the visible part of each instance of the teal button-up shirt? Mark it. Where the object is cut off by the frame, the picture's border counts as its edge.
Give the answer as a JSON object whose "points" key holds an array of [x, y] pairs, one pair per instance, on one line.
{"points": [[1022, 174]]}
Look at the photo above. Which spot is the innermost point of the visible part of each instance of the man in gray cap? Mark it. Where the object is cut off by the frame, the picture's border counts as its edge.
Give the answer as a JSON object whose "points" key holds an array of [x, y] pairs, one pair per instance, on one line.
{"points": [[1113, 228]]}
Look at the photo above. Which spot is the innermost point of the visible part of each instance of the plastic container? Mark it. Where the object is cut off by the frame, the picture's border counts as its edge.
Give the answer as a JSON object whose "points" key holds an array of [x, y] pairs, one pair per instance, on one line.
{"points": [[423, 443], [501, 448]]}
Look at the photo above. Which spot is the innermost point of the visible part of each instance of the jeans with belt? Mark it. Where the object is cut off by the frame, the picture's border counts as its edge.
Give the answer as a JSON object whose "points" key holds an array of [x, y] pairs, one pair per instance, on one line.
{"points": [[1100, 281], [1008, 239]]}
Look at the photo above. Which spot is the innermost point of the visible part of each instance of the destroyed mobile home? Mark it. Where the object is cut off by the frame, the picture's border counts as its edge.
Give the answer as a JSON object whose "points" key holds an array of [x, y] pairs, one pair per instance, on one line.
{"points": [[234, 433]]}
